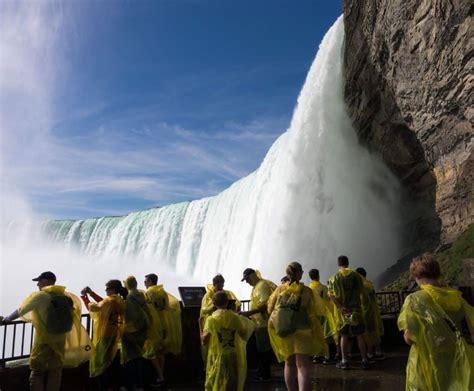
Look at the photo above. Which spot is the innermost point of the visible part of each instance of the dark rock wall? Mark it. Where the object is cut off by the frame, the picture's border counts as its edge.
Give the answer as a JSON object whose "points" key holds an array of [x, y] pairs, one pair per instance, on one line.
{"points": [[409, 89]]}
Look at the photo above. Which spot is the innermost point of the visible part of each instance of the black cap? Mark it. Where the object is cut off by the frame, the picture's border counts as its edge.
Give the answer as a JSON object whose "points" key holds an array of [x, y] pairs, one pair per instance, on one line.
{"points": [[46, 276], [247, 272]]}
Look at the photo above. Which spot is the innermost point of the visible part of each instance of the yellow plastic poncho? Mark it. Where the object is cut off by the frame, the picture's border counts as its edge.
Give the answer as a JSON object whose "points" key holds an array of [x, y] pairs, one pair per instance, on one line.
{"points": [[167, 318], [207, 307], [226, 361], [51, 351], [371, 312], [307, 337], [440, 323], [261, 292], [138, 322], [347, 287], [326, 308], [108, 320]]}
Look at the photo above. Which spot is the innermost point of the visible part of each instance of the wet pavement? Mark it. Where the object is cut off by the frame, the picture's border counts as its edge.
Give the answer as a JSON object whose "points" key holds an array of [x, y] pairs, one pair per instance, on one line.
{"points": [[386, 375]]}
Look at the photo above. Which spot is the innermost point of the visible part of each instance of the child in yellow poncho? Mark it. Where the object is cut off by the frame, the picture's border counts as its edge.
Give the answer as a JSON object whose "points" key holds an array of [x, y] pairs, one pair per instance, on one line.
{"points": [[295, 328], [108, 317], [207, 305], [439, 326], [226, 333], [60, 339]]}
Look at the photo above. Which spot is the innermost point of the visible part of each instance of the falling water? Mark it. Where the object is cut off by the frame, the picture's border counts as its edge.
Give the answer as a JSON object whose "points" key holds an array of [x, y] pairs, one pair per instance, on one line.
{"points": [[316, 195]]}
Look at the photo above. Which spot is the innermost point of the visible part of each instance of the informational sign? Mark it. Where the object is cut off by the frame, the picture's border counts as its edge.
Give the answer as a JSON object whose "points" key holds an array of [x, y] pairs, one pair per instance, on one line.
{"points": [[191, 296], [468, 271]]}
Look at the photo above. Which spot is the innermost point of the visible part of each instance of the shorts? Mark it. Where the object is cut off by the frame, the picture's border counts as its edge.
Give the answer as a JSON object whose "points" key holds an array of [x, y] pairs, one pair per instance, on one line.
{"points": [[352, 330]]}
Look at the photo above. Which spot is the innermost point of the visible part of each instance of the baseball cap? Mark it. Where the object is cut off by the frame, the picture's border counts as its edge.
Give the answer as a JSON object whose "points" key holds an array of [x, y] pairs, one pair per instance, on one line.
{"points": [[247, 272], [46, 276]]}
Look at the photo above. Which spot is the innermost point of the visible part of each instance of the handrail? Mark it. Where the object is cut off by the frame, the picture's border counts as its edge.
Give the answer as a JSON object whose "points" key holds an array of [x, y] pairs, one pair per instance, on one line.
{"points": [[390, 304]]}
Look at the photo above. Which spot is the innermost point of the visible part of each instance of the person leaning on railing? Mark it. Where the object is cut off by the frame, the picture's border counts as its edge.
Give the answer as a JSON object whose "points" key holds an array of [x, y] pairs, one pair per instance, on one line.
{"points": [[166, 317], [261, 292], [138, 325], [60, 340], [108, 317], [372, 318], [438, 324]]}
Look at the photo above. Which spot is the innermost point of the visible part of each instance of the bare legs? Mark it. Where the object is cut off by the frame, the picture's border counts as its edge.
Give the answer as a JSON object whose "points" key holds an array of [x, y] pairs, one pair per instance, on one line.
{"points": [[298, 372], [159, 364], [345, 347]]}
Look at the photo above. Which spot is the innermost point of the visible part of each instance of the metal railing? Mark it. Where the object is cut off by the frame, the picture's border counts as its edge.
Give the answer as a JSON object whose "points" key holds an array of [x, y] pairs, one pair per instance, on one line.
{"points": [[16, 338]]}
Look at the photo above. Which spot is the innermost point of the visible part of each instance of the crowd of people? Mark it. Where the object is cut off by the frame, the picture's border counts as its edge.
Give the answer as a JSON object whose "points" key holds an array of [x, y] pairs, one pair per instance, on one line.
{"points": [[292, 323], [129, 327]]}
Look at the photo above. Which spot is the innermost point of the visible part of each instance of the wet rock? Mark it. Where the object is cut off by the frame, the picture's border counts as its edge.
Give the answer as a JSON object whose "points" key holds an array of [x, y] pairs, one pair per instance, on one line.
{"points": [[409, 90]]}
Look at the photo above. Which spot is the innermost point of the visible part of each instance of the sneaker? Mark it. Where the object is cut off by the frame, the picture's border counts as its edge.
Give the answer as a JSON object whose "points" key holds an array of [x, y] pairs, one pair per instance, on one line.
{"points": [[365, 365], [342, 365], [379, 356], [317, 359]]}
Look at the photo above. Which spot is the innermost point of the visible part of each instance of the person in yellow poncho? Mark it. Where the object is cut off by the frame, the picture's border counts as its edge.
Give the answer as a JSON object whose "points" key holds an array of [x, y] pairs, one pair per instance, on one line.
{"points": [[295, 328], [226, 333], [327, 318], [346, 290], [107, 315], [166, 316], [261, 292], [207, 305], [439, 325], [138, 322], [60, 340], [372, 317]]}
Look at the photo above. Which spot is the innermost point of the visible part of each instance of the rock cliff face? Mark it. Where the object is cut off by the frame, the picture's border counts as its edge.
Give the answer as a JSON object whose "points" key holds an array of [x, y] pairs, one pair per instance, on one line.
{"points": [[409, 89]]}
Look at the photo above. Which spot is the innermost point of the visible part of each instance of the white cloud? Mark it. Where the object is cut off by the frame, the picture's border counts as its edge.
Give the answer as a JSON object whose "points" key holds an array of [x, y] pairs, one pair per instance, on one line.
{"points": [[129, 154]]}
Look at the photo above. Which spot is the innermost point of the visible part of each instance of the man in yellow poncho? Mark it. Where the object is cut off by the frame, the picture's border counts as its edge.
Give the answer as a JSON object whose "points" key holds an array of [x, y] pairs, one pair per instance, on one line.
{"points": [[226, 333], [346, 289], [166, 316], [439, 325], [138, 322], [107, 315], [261, 292], [207, 305], [327, 318], [60, 340], [372, 317], [295, 328]]}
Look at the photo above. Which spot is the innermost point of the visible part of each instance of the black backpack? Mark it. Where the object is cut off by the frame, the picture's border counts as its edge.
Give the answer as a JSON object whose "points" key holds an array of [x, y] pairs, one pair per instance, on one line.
{"points": [[59, 315]]}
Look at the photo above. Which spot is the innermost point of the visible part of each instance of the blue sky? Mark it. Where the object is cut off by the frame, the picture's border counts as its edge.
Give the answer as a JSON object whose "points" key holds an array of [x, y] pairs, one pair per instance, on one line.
{"points": [[113, 106]]}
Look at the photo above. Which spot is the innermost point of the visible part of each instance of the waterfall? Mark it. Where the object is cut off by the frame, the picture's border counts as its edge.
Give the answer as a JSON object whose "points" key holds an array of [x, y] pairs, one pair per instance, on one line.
{"points": [[317, 194]]}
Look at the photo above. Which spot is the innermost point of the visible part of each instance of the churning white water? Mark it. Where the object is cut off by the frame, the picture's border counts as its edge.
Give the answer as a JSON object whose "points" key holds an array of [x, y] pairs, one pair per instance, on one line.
{"points": [[317, 194]]}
